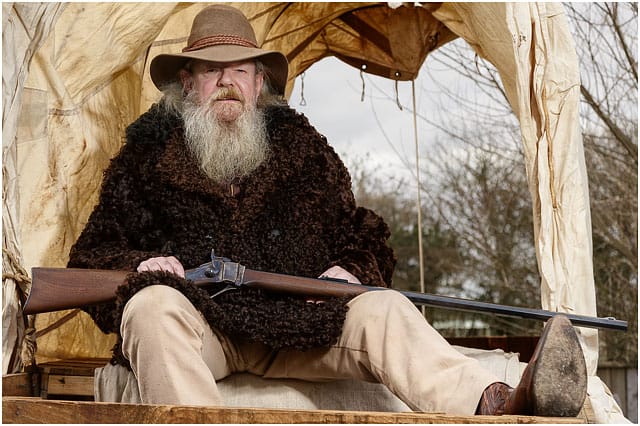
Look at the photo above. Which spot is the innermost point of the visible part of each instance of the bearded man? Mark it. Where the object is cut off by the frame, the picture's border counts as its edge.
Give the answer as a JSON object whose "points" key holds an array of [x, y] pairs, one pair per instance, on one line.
{"points": [[223, 163]]}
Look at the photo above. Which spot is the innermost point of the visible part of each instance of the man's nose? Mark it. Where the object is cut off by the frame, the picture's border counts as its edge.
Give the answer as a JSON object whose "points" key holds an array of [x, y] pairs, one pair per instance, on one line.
{"points": [[225, 78]]}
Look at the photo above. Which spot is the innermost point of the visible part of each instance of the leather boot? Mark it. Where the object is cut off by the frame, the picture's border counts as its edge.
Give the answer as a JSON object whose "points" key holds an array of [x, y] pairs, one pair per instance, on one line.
{"points": [[554, 383]]}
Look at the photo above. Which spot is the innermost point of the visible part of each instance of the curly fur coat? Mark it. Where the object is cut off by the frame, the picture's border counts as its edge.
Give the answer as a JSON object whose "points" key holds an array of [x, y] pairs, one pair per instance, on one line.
{"points": [[295, 214]]}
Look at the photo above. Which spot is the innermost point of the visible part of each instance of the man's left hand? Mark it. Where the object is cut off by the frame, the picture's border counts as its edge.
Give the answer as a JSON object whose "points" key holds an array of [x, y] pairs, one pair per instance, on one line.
{"points": [[340, 273]]}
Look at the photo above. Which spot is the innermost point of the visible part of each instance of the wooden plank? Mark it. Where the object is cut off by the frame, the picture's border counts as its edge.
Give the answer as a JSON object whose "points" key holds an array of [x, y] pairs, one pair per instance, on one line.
{"points": [[69, 385], [72, 377], [605, 375], [17, 384], [44, 384], [623, 383], [73, 367], [619, 386], [32, 410], [586, 413], [632, 395]]}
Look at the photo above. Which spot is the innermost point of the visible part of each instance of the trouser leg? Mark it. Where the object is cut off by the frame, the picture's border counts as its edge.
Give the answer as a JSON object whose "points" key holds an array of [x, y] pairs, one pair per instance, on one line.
{"points": [[173, 352], [386, 339]]}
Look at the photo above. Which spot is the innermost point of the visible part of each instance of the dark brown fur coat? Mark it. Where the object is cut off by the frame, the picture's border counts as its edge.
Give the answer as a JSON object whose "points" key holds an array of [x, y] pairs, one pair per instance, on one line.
{"points": [[295, 214]]}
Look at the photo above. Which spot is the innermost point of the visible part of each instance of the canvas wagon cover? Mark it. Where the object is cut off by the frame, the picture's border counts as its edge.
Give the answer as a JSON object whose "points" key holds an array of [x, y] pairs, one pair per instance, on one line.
{"points": [[76, 74]]}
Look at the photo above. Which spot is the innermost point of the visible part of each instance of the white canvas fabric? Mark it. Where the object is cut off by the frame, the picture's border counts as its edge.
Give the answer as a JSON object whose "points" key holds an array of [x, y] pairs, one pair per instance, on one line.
{"points": [[114, 383]]}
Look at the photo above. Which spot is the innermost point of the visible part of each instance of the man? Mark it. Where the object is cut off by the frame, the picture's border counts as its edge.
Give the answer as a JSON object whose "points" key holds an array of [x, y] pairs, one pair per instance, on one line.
{"points": [[223, 163]]}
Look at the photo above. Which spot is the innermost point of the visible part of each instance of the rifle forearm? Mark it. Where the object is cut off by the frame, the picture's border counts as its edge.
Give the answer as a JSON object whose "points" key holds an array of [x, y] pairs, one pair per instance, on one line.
{"points": [[302, 286]]}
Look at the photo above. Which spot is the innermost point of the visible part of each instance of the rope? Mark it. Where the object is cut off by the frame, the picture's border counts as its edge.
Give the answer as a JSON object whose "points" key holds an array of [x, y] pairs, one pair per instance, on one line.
{"points": [[58, 323], [26, 345], [19, 275], [29, 345], [419, 201]]}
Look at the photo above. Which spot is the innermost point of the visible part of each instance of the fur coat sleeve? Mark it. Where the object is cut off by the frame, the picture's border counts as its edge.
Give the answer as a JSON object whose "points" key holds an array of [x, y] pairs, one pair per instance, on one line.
{"points": [[295, 214]]}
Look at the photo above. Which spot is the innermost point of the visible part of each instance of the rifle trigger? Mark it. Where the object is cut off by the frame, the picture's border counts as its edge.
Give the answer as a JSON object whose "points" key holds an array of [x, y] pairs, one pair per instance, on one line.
{"points": [[224, 290]]}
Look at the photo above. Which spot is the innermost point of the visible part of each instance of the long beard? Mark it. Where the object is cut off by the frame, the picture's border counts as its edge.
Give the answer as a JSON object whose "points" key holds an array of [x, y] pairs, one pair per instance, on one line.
{"points": [[224, 150]]}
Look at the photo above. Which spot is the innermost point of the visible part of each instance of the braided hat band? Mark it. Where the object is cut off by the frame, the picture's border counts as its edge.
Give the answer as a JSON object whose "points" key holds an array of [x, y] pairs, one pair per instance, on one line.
{"points": [[219, 39]]}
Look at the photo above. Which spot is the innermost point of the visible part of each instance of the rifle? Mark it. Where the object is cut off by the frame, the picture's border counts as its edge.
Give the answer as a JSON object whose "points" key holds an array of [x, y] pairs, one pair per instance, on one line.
{"points": [[54, 289]]}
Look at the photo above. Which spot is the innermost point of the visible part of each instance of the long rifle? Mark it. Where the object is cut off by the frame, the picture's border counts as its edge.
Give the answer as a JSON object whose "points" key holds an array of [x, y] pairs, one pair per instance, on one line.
{"points": [[56, 289]]}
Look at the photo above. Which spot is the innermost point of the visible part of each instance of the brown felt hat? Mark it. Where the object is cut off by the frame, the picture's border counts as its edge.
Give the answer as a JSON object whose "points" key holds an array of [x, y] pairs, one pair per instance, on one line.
{"points": [[223, 34]]}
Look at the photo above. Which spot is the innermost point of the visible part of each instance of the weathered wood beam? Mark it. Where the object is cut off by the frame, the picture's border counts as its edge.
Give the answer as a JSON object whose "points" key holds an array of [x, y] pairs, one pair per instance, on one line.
{"points": [[19, 384], [69, 385], [35, 410]]}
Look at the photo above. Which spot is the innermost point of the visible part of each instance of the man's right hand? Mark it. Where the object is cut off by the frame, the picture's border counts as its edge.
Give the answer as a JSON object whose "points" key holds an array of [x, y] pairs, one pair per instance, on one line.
{"points": [[169, 264]]}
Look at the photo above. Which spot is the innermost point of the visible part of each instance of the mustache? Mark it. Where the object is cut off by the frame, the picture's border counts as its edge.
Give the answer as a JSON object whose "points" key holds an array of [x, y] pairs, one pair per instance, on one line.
{"points": [[227, 93]]}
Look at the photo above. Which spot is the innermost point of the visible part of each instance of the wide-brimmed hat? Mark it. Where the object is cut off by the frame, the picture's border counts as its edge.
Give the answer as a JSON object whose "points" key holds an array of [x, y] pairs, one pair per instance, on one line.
{"points": [[223, 34]]}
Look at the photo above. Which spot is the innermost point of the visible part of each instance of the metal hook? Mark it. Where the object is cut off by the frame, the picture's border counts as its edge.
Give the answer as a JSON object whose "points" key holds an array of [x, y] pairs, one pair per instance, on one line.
{"points": [[303, 102], [398, 95], [362, 68], [224, 290]]}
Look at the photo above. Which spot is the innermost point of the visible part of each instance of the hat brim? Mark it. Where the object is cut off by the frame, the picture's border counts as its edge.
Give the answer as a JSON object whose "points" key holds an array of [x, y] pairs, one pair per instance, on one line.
{"points": [[164, 67]]}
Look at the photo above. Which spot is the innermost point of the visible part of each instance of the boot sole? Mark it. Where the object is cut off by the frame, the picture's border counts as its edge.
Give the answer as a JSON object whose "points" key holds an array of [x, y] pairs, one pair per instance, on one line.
{"points": [[560, 374]]}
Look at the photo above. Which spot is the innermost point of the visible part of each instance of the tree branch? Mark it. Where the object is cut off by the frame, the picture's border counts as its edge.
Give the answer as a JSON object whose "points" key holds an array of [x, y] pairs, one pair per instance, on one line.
{"points": [[623, 44], [626, 142]]}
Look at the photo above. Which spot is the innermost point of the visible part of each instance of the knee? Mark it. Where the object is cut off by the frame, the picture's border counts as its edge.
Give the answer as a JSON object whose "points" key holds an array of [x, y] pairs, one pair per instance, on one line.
{"points": [[151, 306], [159, 320], [380, 304], [383, 299]]}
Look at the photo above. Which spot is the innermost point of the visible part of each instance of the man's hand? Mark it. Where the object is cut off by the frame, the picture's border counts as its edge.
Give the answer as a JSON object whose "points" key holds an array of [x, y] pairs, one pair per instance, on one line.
{"points": [[169, 264], [340, 273]]}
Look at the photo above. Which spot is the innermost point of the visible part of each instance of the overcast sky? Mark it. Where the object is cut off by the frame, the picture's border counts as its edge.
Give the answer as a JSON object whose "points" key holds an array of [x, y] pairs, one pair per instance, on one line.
{"points": [[376, 132], [332, 92]]}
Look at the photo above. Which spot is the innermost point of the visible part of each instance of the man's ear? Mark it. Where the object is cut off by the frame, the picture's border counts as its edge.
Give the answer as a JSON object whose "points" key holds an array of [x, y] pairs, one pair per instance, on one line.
{"points": [[186, 79], [259, 83]]}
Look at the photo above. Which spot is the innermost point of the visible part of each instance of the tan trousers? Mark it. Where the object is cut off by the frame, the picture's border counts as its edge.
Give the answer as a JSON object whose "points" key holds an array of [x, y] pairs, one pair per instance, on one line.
{"points": [[177, 358]]}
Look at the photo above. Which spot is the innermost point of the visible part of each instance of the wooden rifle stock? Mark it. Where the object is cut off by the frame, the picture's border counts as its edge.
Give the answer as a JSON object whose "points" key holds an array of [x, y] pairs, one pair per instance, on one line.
{"points": [[56, 289]]}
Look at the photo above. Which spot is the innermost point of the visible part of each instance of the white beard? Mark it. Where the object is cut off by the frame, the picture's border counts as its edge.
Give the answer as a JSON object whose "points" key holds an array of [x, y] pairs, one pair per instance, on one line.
{"points": [[224, 150]]}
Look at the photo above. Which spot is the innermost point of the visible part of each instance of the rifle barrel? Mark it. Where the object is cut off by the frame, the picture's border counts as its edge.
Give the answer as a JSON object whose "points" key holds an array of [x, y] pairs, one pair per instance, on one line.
{"points": [[321, 287], [504, 310]]}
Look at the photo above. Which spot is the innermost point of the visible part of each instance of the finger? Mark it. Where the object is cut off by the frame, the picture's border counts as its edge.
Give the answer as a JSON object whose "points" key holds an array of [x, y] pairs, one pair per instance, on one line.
{"points": [[150, 265], [340, 273], [176, 266], [168, 264], [143, 266]]}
